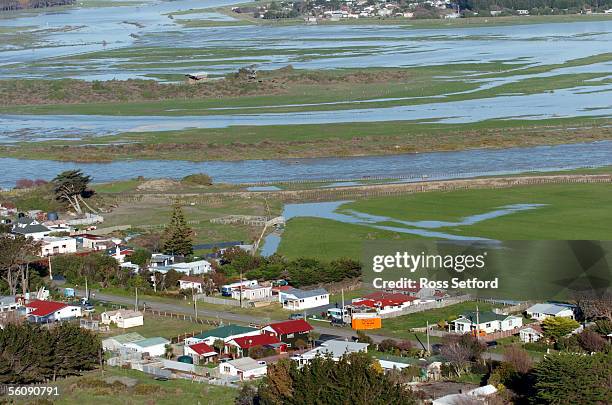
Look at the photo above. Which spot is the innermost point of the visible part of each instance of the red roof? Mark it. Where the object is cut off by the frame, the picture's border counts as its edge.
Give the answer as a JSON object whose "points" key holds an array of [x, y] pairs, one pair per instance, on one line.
{"points": [[246, 342], [44, 308], [294, 326], [202, 348]]}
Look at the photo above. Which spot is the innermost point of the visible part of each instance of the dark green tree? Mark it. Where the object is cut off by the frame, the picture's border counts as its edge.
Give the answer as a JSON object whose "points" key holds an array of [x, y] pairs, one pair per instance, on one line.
{"points": [[568, 378], [177, 235], [71, 187]]}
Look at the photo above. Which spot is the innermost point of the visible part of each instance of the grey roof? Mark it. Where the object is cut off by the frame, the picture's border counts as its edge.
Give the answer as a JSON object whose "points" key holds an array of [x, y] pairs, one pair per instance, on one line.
{"points": [[337, 348], [306, 293], [548, 309], [7, 299], [25, 226], [246, 363]]}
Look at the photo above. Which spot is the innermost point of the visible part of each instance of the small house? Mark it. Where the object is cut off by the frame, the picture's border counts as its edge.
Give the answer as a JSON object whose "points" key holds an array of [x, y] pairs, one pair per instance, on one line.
{"points": [[256, 292], [289, 331], [486, 322], [191, 283], [54, 245], [8, 303], [335, 349], [117, 342], [543, 311], [123, 318], [295, 299], [51, 311], [155, 346], [201, 353], [240, 346], [30, 228], [244, 368], [531, 334]]}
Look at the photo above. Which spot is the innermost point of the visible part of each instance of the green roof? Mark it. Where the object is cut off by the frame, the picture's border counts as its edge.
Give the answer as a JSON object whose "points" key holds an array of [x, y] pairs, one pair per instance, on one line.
{"points": [[128, 337], [151, 342], [484, 317], [225, 331]]}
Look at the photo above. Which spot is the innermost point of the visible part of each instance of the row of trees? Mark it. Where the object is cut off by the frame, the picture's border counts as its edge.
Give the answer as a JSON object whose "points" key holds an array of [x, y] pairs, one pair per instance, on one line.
{"points": [[355, 379], [30, 353], [300, 272], [16, 255]]}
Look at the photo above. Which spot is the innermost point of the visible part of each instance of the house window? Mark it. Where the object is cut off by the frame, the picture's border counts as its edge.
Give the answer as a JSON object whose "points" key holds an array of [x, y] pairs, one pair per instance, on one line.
{"points": [[488, 325]]}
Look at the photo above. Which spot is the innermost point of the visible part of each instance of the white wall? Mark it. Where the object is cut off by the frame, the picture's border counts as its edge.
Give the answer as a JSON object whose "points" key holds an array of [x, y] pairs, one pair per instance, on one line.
{"points": [[51, 246]]}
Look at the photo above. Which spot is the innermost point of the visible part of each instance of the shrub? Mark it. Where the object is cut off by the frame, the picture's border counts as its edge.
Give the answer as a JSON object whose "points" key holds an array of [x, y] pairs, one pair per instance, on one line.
{"points": [[200, 179]]}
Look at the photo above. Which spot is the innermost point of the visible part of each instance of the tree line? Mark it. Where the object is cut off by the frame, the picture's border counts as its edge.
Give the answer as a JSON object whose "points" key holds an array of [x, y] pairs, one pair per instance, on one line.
{"points": [[30, 353]]}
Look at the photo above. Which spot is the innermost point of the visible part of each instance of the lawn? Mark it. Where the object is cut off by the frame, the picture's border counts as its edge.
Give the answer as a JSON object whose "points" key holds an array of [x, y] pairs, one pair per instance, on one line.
{"points": [[400, 327], [570, 211], [163, 326], [91, 388]]}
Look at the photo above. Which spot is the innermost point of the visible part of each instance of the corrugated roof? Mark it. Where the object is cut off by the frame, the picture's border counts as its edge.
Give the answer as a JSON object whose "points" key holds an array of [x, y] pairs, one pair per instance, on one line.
{"points": [[548, 309], [128, 337], [293, 326], [246, 342], [154, 341], [44, 308], [202, 348], [300, 294], [225, 331]]}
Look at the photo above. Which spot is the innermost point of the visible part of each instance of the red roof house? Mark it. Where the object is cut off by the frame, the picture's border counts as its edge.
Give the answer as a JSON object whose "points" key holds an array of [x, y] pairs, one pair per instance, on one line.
{"points": [[244, 343], [200, 352], [289, 331], [48, 311]]}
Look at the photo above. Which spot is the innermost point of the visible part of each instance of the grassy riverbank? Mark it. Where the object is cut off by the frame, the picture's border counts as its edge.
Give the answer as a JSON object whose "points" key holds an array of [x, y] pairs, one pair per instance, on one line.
{"points": [[570, 211], [321, 140]]}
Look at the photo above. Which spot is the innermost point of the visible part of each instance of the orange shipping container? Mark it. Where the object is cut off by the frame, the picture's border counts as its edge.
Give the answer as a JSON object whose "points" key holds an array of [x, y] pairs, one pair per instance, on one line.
{"points": [[367, 323]]}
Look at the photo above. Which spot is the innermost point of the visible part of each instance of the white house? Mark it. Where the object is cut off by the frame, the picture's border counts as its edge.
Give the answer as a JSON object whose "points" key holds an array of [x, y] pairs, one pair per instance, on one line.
{"points": [[155, 346], [335, 349], [119, 341], [200, 352], [96, 242], [191, 283], [486, 322], [123, 318], [192, 268], [543, 311], [245, 368], [256, 292], [160, 260], [8, 303], [295, 299], [477, 395], [53, 245], [30, 228], [530, 334], [51, 311]]}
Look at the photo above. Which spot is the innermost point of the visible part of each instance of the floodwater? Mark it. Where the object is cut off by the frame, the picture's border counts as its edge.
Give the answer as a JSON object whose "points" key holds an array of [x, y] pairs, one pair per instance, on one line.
{"points": [[428, 229], [411, 167]]}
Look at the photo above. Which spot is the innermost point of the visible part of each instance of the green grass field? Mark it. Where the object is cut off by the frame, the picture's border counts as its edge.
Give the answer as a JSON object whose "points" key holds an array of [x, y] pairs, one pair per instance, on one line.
{"points": [[572, 211], [91, 388]]}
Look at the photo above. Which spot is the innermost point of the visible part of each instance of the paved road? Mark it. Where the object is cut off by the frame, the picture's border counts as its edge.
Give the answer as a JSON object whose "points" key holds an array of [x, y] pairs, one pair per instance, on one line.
{"points": [[247, 319]]}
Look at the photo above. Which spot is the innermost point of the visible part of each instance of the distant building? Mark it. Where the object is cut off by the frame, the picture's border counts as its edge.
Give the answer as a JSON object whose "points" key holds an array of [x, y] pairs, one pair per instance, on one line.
{"points": [[189, 269], [155, 346], [335, 349], [201, 353], [52, 245], [543, 311], [8, 303], [51, 311], [30, 228], [296, 300], [486, 322], [117, 342], [245, 368], [531, 334], [256, 292], [224, 333], [97, 242], [123, 318], [289, 331], [191, 283], [240, 346]]}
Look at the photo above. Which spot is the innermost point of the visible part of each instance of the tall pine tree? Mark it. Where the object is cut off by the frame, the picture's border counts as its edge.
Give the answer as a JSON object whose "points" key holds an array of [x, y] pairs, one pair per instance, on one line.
{"points": [[178, 236]]}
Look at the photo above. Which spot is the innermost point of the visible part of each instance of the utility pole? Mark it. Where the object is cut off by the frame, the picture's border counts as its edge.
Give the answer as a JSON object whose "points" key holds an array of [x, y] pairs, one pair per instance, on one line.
{"points": [[86, 290], [136, 301], [427, 329], [50, 272], [477, 324], [240, 288], [342, 309], [195, 302]]}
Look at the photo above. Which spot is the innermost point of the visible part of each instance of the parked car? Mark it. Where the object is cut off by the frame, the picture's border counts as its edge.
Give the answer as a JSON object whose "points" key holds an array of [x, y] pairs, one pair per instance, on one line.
{"points": [[293, 317]]}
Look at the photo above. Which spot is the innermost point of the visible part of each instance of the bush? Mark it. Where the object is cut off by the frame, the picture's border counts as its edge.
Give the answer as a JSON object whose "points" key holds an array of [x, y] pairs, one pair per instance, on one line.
{"points": [[200, 179], [536, 347]]}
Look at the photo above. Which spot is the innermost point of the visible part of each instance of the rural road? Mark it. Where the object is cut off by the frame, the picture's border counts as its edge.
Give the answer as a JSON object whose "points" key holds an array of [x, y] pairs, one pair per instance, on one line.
{"points": [[241, 318]]}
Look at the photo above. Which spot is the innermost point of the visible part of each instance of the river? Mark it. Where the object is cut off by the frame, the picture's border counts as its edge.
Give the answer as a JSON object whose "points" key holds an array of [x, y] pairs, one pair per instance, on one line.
{"points": [[435, 165]]}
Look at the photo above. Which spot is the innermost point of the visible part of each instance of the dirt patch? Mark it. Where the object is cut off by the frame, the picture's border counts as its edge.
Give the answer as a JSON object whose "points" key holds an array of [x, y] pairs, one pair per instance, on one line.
{"points": [[159, 185]]}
